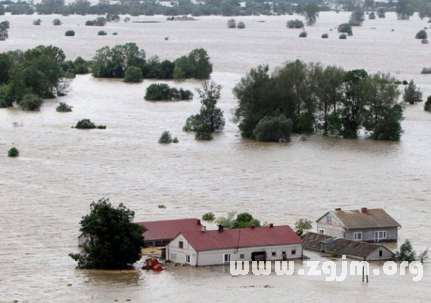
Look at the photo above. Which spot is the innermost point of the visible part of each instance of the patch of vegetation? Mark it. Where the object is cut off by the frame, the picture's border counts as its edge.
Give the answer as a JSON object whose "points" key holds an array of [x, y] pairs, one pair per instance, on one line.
{"points": [[208, 216], [70, 33], [226, 221], [335, 254], [427, 106], [4, 29], [101, 33], [357, 17], [301, 225], [231, 23], [311, 12], [166, 137], [114, 241], [57, 22], [406, 253], [85, 124], [372, 16], [381, 12], [425, 41], [273, 129], [133, 74], [37, 22], [99, 21], [162, 206], [426, 70], [343, 36], [303, 34], [241, 25], [210, 117], [412, 93], [244, 220], [325, 36], [101, 126], [175, 140], [13, 152], [126, 19], [345, 28], [63, 107], [30, 102], [159, 92], [295, 24], [422, 34]]}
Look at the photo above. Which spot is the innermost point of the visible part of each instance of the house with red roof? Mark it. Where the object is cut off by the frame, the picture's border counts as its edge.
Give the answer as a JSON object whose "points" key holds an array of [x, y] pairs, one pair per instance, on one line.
{"points": [[217, 247]]}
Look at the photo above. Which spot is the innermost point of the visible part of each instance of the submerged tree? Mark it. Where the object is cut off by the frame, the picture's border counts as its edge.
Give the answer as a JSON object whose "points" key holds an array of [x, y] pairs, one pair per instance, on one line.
{"points": [[114, 241], [210, 118], [404, 9], [427, 106], [4, 30], [311, 12], [412, 93], [301, 225], [357, 17]]}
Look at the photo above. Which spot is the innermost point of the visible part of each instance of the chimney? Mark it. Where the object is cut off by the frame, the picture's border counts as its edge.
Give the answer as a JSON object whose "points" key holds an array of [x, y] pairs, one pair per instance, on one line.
{"points": [[364, 210], [338, 209], [204, 228], [252, 226], [220, 228], [199, 222], [271, 225]]}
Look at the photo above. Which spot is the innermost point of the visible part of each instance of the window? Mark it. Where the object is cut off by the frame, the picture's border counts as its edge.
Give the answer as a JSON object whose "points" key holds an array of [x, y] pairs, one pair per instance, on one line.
{"points": [[321, 231], [380, 253], [382, 235], [188, 259], [283, 252], [357, 236], [226, 258], [181, 244], [274, 253], [329, 219], [241, 256], [293, 252]]}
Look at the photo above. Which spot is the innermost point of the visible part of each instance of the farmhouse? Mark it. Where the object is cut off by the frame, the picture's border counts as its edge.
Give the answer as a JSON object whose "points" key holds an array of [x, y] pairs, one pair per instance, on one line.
{"points": [[160, 233], [349, 248], [216, 247], [366, 225]]}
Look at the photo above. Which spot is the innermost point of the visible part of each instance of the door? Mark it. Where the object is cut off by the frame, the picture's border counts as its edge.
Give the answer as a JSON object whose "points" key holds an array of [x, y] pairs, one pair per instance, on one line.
{"points": [[376, 236]]}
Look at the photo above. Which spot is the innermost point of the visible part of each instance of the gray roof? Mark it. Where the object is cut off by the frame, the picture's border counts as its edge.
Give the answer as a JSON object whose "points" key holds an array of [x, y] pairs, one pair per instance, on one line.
{"points": [[372, 218], [342, 246]]}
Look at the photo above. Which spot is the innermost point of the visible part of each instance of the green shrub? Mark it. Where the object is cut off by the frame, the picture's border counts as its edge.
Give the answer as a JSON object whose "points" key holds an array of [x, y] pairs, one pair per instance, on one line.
{"points": [[30, 102], [412, 93], [422, 34], [372, 16], [273, 129], [343, 36], [57, 22], [127, 19], [424, 41], [345, 28], [203, 133], [295, 24], [208, 216], [101, 126], [158, 92], [426, 70], [13, 152], [70, 33], [325, 36], [161, 206], [166, 137], [114, 34], [241, 25], [231, 23], [405, 82], [427, 106], [133, 74], [381, 12], [175, 140], [89, 23], [85, 124], [303, 34], [63, 107], [37, 22], [102, 33]]}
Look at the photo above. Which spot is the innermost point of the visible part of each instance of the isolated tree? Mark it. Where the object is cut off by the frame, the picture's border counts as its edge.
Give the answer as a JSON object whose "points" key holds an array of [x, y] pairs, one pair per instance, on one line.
{"points": [[311, 13], [404, 9], [301, 225], [210, 118], [244, 220], [412, 93], [357, 17], [114, 241], [427, 106], [381, 12], [231, 23], [4, 29], [405, 253]]}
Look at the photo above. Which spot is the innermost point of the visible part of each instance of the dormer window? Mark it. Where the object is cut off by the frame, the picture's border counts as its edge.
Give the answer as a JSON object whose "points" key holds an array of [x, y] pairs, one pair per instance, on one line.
{"points": [[328, 219]]}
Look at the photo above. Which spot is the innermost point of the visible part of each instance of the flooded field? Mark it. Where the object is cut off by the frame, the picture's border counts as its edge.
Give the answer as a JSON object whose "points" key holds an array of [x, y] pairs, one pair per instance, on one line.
{"points": [[61, 170]]}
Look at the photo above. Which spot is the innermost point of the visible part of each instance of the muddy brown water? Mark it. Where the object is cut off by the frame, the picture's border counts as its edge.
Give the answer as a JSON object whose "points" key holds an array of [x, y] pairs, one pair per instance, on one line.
{"points": [[45, 191]]}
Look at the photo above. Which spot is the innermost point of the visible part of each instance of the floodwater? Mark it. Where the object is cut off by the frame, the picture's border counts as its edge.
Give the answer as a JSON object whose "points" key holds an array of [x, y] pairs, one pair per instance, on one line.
{"points": [[61, 170]]}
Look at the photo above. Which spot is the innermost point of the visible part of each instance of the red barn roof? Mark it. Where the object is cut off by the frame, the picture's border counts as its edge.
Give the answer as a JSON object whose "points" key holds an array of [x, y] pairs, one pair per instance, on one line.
{"points": [[169, 229], [241, 237]]}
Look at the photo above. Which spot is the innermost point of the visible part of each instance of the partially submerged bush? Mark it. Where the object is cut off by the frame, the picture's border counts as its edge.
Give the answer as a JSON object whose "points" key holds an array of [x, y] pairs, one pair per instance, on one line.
{"points": [[57, 22], [427, 106], [166, 137], [70, 33], [424, 41], [426, 70], [133, 74], [412, 93], [381, 12], [158, 92], [30, 102], [63, 107], [345, 28], [85, 124], [37, 22], [241, 25], [295, 24], [343, 36], [303, 34], [175, 140], [325, 36], [13, 152], [372, 16], [422, 34], [273, 129], [208, 216], [101, 33], [231, 23]]}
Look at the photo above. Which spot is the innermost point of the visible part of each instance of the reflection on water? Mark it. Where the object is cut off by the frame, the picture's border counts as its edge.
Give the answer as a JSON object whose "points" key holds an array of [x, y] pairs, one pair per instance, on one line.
{"points": [[45, 191]]}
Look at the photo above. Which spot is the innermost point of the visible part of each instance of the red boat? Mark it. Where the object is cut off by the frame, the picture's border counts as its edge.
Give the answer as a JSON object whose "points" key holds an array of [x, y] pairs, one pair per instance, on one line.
{"points": [[153, 264]]}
